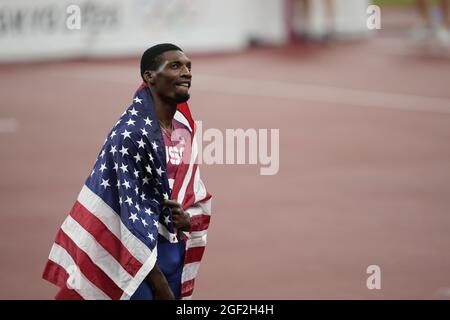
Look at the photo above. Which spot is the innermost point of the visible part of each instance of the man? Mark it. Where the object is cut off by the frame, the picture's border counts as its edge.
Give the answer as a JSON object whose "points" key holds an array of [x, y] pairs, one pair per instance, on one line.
{"points": [[124, 238], [302, 16], [430, 28]]}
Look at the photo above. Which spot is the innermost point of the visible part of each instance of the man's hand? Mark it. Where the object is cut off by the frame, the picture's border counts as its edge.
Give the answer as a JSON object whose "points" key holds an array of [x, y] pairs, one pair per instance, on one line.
{"points": [[181, 220]]}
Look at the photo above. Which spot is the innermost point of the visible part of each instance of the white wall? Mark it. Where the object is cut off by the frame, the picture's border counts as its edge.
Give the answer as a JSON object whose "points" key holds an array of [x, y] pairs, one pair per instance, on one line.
{"points": [[36, 29], [265, 21], [350, 18]]}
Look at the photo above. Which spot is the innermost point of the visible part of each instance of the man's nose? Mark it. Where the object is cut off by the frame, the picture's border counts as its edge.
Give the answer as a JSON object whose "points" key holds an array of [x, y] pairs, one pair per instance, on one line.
{"points": [[185, 72]]}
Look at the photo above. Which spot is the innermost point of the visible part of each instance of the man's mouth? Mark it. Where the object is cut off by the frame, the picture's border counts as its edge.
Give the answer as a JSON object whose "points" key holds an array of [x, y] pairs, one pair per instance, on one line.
{"points": [[183, 84]]}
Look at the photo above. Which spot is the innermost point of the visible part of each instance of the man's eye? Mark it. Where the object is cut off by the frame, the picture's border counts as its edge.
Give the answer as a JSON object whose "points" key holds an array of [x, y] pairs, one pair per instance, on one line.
{"points": [[174, 65]]}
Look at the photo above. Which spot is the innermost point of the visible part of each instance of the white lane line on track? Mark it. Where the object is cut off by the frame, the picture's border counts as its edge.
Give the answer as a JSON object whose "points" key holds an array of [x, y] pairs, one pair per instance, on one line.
{"points": [[334, 96], [320, 93]]}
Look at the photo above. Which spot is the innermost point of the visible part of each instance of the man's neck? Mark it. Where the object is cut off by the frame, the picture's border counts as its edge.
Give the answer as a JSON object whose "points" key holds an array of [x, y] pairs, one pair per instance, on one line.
{"points": [[165, 111]]}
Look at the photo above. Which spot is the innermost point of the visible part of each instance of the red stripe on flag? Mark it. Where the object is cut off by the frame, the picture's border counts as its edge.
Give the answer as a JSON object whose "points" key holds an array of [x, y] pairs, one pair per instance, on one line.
{"points": [[200, 222], [189, 196], [58, 275], [183, 168], [186, 112], [68, 294], [89, 269], [187, 288], [194, 254], [142, 86], [180, 177], [106, 238]]}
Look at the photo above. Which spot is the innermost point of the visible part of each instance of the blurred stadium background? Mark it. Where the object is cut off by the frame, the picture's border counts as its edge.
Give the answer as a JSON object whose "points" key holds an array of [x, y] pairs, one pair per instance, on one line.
{"points": [[364, 119]]}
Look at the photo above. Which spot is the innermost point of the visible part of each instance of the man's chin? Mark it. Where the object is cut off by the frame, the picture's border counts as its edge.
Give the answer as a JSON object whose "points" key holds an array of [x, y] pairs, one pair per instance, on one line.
{"points": [[182, 97]]}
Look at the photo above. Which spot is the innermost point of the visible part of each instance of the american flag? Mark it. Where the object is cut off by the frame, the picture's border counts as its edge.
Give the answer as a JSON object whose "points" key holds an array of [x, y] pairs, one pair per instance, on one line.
{"points": [[108, 243]]}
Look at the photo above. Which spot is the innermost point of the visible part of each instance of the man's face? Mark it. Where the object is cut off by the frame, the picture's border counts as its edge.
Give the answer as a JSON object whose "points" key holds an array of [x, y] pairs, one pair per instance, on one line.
{"points": [[174, 77]]}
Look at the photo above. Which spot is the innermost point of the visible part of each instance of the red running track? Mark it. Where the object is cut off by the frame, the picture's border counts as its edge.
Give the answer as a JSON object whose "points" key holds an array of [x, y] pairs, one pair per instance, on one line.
{"points": [[364, 172]]}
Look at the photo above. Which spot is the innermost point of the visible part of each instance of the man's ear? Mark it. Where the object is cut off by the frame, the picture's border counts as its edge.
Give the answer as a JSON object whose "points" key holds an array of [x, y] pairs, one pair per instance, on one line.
{"points": [[149, 77]]}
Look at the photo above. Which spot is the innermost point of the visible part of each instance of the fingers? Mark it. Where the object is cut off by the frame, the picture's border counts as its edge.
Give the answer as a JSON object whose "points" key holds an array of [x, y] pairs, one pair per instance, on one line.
{"points": [[180, 219], [177, 211], [181, 225], [179, 215], [174, 206], [178, 223], [171, 204]]}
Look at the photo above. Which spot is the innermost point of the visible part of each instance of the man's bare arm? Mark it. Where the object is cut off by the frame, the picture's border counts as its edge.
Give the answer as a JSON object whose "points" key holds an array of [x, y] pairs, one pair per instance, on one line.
{"points": [[159, 285]]}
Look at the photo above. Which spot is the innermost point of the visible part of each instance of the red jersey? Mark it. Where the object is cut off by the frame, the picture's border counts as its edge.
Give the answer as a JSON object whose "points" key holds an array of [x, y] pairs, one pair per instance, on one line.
{"points": [[175, 145]]}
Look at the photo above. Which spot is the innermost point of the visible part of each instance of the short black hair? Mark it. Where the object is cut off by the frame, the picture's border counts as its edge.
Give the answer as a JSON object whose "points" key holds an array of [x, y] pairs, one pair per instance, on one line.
{"points": [[150, 59]]}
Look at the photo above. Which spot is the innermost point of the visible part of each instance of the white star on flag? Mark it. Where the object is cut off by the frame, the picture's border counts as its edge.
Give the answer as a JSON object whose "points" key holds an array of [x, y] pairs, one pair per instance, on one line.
{"points": [[141, 143], [160, 171], [133, 112], [129, 201], [105, 183], [167, 219], [103, 167], [126, 134], [137, 157], [126, 184], [113, 150], [130, 122], [148, 121], [133, 217], [124, 151], [124, 168], [137, 100]]}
